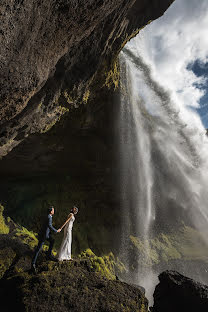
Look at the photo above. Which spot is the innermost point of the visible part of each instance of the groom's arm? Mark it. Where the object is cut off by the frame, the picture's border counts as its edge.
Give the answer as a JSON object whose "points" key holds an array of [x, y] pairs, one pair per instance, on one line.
{"points": [[50, 224]]}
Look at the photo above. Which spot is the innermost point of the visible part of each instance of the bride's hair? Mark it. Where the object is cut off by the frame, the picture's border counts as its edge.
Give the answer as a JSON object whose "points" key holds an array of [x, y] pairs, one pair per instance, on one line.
{"points": [[71, 211]]}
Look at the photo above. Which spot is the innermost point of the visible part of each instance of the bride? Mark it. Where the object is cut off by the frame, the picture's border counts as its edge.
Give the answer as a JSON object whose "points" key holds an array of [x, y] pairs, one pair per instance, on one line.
{"points": [[65, 249]]}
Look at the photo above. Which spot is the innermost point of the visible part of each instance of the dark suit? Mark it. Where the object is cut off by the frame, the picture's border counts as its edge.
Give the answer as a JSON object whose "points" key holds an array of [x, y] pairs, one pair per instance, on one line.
{"points": [[45, 234]]}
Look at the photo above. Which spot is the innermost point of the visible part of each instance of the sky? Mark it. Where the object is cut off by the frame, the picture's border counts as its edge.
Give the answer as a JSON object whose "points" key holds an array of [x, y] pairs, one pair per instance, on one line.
{"points": [[176, 48]]}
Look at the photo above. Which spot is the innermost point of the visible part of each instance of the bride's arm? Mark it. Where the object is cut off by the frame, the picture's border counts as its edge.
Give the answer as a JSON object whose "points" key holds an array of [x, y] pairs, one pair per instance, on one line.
{"points": [[66, 221]]}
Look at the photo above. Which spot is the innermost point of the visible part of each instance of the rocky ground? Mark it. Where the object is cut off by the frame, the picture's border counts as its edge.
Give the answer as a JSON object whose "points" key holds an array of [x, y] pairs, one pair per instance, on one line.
{"points": [[70, 286], [88, 283]]}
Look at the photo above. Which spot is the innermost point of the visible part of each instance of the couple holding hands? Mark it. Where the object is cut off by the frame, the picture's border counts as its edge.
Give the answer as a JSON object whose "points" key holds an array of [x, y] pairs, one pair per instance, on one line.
{"points": [[64, 252]]}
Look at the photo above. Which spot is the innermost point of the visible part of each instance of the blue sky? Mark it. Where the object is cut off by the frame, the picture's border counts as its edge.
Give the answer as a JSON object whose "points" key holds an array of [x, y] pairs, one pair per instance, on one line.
{"points": [[201, 69], [176, 48]]}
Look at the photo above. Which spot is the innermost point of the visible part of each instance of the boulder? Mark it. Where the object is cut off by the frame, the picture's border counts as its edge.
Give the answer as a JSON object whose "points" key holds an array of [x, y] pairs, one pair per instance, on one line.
{"points": [[176, 292]]}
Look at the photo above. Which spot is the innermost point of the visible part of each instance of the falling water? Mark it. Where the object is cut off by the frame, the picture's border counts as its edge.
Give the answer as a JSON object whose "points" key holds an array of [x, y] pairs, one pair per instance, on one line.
{"points": [[163, 164]]}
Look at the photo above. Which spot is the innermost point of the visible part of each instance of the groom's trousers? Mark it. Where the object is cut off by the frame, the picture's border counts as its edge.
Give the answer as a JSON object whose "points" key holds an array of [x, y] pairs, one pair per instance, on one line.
{"points": [[39, 247]]}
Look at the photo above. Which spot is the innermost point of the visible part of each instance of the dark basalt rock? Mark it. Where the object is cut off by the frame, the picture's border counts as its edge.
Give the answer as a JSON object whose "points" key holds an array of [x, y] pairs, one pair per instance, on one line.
{"points": [[51, 51], [176, 292], [70, 286]]}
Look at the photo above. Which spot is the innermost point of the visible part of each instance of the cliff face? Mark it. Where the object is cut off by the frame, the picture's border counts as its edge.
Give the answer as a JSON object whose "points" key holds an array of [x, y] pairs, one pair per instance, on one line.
{"points": [[59, 57], [73, 163], [52, 50]]}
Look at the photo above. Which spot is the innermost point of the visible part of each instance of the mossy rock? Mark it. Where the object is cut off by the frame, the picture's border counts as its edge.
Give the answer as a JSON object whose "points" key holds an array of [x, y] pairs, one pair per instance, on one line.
{"points": [[7, 256], [186, 244], [4, 228], [70, 286], [86, 284], [108, 265], [113, 76], [27, 237], [22, 265]]}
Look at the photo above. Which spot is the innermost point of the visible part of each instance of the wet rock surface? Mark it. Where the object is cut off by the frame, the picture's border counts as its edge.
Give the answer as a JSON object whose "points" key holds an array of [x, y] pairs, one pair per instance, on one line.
{"points": [[52, 50], [176, 292]]}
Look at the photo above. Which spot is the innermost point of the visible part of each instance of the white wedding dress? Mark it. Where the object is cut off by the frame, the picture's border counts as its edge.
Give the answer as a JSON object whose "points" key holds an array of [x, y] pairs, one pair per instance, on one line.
{"points": [[65, 249]]}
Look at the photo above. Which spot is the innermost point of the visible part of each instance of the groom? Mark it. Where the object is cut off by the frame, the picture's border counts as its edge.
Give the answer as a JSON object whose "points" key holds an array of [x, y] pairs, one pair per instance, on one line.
{"points": [[45, 234]]}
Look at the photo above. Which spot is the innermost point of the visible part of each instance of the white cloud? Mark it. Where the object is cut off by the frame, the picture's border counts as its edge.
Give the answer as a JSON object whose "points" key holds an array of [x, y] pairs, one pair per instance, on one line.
{"points": [[172, 42]]}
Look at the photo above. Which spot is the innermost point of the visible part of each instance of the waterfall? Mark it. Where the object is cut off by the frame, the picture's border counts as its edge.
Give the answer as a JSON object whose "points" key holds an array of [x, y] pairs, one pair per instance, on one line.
{"points": [[164, 174]]}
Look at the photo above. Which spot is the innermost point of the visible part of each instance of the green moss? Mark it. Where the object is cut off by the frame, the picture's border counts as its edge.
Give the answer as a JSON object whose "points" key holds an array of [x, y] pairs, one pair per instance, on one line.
{"points": [[147, 254], [68, 97], [186, 244], [113, 76], [7, 256], [87, 253], [22, 265], [72, 284], [86, 96], [58, 112], [106, 266], [143, 306], [40, 105], [4, 229], [190, 244], [27, 237], [48, 126]]}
